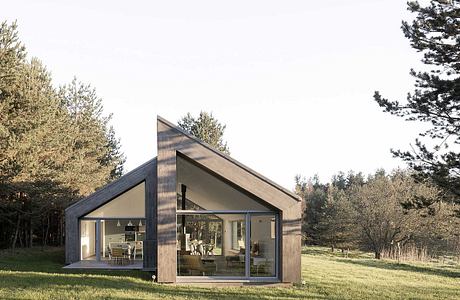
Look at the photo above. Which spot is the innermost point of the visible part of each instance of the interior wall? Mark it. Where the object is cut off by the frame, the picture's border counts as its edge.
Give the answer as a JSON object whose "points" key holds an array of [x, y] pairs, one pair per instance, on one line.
{"points": [[113, 233], [129, 204], [229, 235], [261, 232], [210, 192], [88, 238], [226, 237]]}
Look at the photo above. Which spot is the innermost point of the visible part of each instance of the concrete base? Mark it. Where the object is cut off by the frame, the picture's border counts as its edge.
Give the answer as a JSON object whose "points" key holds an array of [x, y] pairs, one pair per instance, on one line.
{"points": [[104, 265], [225, 282]]}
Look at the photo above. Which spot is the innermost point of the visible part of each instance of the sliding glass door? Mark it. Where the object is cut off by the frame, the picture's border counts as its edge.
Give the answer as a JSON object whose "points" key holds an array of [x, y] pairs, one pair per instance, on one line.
{"points": [[227, 244], [263, 246], [125, 234], [207, 245], [98, 238]]}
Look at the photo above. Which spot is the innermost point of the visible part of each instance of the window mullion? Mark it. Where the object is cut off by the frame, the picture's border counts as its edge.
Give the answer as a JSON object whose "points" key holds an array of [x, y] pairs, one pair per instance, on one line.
{"points": [[247, 252]]}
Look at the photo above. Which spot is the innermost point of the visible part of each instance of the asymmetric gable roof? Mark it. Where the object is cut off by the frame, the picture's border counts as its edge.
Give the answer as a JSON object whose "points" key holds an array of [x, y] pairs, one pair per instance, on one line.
{"points": [[230, 159]]}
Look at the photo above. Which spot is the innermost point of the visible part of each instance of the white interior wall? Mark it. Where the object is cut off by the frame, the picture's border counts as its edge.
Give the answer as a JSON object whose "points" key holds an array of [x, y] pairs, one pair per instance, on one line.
{"points": [[88, 238], [210, 192], [127, 205], [261, 232]]}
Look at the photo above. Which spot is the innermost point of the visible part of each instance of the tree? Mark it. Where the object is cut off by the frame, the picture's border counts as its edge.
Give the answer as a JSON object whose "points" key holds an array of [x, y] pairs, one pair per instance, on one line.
{"points": [[435, 100], [96, 155], [376, 208], [55, 147], [206, 128], [314, 196], [32, 125], [324, 214], [338, 226]]}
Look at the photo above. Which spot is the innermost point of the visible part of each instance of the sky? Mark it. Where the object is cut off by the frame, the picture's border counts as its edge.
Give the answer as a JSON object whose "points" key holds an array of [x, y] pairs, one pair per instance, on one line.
{"points": [[292, 80]]}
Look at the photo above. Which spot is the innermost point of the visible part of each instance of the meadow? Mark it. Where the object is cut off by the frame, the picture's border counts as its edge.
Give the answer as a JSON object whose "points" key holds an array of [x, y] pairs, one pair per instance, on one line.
{"points": [[38, 274]]}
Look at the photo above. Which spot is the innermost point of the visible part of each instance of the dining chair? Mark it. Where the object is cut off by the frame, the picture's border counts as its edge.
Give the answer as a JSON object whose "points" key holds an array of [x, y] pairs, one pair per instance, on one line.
{"points": [[117, 255]]}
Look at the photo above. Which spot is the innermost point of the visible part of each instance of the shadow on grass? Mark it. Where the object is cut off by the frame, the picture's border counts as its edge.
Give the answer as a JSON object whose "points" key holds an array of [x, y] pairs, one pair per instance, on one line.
{"points": [[40, 273], [115, 287], [52, 260], [381, 264]]}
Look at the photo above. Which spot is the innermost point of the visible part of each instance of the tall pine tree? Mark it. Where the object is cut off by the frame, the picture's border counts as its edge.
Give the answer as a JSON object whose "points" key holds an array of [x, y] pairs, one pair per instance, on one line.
{"points": [[55, 147], [435, 32], [206, 128]]}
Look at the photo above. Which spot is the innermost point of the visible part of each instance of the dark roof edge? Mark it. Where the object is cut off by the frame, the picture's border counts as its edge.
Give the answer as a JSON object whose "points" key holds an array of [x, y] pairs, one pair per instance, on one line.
{"points": [[232, 160], [100, 190]]}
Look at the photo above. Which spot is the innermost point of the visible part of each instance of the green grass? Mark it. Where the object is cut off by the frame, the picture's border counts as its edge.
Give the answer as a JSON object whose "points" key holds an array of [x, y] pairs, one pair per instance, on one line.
{"points": [[36, 274]]}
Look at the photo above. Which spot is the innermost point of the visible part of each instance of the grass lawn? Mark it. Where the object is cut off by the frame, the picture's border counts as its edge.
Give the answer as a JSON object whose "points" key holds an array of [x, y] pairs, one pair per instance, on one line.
{"points": [[36, 274]]}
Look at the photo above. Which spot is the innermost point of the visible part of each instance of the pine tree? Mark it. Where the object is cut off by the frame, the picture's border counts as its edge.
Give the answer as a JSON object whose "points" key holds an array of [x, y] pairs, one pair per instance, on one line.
{"points": [[31, 123], [96, 156], [55, 147], [435, 32], [206, 128]]}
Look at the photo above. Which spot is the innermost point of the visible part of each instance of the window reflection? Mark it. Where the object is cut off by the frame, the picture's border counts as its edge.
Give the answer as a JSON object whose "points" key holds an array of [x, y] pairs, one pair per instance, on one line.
{"points": [[206, 245]]}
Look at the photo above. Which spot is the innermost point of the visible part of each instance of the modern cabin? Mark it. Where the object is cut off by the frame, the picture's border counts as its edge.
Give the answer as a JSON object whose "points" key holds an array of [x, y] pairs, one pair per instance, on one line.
{"points": [[190, 214]]}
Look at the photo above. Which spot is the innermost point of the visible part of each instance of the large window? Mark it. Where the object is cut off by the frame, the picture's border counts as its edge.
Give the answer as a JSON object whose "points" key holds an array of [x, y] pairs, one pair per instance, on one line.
{"points": [[222, 231], [263, 245], [217, 244], [115, 231], [205, 245]]}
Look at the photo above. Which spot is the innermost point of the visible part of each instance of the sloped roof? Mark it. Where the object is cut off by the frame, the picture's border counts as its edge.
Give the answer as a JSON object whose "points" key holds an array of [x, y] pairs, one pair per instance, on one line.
{"points": [[112, 190], [137, 175], [230, 159]]}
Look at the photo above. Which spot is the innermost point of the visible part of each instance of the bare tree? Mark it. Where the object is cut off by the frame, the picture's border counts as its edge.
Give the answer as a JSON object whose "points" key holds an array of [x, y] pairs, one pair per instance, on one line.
{"points": [[377, 208]]}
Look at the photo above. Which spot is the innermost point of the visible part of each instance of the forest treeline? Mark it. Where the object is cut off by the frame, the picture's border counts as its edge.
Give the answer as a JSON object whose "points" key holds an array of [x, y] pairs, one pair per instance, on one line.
{"points": [[56, 146], [393, 215], [405, 213]]}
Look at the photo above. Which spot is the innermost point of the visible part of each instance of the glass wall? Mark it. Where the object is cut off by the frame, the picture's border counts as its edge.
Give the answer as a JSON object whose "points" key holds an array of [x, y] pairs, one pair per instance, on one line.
{"points": [[222, 231], [126, 234], [207, 245], [115, 231], [218, 245], [263, 245]]}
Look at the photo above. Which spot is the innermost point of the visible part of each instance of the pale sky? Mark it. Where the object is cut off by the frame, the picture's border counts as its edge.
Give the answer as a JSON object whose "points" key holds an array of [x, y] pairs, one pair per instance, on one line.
{"points": [[292, 80]]}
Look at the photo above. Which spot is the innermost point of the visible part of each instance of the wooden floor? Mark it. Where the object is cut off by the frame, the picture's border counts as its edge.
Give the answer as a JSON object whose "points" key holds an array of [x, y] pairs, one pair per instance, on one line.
{"points": [[91, 264]]}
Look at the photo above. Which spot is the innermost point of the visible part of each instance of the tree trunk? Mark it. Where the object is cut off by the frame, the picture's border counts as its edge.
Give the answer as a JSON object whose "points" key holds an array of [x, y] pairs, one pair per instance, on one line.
{"points": [[16, 233], [43, 233], [21, 237], [378, 255], [31, 234], [47, 231], [62, 231]]}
